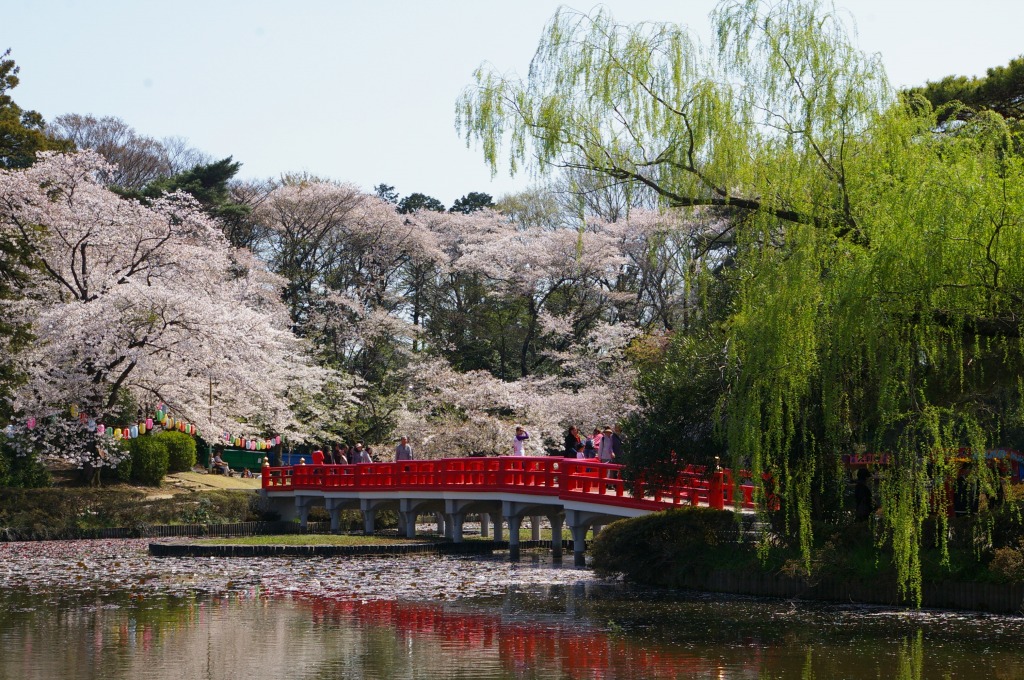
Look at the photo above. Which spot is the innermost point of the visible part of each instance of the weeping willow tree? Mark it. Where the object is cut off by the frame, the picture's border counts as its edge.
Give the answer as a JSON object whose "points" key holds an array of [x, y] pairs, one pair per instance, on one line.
{"points": [[877, 264]]}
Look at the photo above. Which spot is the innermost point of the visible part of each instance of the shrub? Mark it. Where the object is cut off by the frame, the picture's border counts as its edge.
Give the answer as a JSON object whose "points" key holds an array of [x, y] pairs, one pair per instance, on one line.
{"points": [[1008, 565], [648, 549], [123, 471], [21, 470], [149, 460], [181, 450]]}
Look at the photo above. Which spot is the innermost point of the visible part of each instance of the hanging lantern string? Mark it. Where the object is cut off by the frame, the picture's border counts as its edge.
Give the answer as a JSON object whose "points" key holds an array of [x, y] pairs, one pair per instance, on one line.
{"points": [[163, 419]]}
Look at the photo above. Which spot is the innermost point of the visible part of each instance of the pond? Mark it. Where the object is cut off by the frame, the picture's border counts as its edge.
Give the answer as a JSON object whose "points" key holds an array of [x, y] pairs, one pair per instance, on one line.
{"points": [[105, 609]]}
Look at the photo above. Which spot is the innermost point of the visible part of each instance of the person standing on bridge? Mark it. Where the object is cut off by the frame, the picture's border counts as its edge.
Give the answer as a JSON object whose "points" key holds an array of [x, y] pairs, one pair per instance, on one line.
{"points": [[572, 440], [606, 450], [519, 441], [591, 445], [404, 450]]}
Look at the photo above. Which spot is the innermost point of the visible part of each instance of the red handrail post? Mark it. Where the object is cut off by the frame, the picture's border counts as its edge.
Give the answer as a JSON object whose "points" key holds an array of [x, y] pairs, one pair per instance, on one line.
{"points": [[715, 497]]}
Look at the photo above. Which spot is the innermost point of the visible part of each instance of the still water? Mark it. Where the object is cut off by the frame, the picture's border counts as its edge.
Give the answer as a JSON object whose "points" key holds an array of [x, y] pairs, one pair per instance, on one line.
{"points": [[62, 616]]}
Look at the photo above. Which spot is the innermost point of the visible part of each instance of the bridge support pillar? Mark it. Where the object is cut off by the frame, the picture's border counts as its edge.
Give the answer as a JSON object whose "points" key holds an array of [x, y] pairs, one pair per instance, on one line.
{"points": [[410, 510], [534, 528], [442, 530], [579, 544], [335, 506], [369, 508], [557, 520], [456, 519], [499, 527], [579, 522], [455, 514], [407, 523], [302, 506], [515, 523], [485, 525]]}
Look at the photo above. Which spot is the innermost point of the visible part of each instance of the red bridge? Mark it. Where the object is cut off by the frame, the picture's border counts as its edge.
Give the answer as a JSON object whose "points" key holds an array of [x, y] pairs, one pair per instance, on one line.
{"points": [[583, 493]]}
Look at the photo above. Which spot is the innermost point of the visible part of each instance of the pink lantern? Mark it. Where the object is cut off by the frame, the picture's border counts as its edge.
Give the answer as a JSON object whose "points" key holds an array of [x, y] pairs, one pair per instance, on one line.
{"points": [[31, 423], [100, 429], [149, 423]]}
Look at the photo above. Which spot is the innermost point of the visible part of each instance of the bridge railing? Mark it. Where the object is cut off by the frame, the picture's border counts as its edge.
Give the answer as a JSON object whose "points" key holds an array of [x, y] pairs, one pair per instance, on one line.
{"points": [[567, 478]]}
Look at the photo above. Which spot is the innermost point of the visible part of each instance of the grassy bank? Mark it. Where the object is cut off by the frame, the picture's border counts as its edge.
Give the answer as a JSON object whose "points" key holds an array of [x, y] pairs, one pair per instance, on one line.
{"points": [[61, 511]]}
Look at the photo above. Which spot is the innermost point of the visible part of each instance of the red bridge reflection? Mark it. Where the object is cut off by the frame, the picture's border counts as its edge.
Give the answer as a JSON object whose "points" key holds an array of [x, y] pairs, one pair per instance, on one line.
{"points": [[576, 651]]}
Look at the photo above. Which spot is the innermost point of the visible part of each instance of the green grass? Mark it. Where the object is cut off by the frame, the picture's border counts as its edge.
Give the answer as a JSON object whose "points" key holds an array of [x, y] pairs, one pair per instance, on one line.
{"points": [[307, 539]]}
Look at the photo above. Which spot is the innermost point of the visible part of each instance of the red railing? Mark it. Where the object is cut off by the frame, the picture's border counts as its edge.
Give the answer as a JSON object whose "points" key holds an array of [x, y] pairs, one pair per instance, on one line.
{"points": [[564, 478]]}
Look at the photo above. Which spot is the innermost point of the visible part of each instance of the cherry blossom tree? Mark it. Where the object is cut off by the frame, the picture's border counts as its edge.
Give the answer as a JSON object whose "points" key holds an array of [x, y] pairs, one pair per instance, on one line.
{"points": [[460, 324], [133, 305]]}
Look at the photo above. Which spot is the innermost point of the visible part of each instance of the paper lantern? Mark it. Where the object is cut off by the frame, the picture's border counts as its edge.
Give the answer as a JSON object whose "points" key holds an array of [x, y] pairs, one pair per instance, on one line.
{"points": [[74, 410], [134, 431], [117, 433], [181, 426], [149, 423], [100, 429], [83, 417], [91, 425], [142, 428], [31, 423]]}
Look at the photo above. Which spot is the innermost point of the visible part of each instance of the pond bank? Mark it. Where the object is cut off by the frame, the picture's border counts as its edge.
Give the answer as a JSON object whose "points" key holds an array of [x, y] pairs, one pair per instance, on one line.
{"points": [[706, 550], [996, 598]]}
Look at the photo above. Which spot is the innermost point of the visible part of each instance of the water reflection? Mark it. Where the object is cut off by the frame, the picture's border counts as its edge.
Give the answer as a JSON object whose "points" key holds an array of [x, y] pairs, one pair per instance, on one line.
{"points": [[586, 630]]}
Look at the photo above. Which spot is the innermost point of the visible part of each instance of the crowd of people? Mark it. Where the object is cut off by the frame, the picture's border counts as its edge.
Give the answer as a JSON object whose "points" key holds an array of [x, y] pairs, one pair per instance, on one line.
{"points": [[603, 444], [341, 454]]}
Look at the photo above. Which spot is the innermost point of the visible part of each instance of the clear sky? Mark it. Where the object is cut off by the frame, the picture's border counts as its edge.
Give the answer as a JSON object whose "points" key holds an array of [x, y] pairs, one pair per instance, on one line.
{"points": [[364, 90]]}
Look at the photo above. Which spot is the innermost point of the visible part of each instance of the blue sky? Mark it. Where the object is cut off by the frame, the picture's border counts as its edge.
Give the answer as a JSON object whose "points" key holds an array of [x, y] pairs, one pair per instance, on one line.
{"points": [[365, 91]]}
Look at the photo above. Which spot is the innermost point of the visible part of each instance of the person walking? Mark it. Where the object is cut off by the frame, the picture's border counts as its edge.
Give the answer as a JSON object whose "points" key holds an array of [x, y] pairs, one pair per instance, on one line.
{"points": [[404, 450]]}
